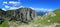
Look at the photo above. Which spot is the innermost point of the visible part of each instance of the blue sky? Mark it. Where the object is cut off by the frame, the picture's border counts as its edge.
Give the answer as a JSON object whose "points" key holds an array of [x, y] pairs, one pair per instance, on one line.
{"points": [[34, 4]]}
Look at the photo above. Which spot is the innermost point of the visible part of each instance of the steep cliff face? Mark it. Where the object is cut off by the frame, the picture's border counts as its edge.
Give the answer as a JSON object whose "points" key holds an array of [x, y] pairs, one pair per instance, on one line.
{"points": [[21, 14]]}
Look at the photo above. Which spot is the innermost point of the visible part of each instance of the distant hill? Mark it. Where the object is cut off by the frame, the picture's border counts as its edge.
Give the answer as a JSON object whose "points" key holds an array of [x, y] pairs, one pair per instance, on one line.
{"points": [[41, 13], [51, 17]]}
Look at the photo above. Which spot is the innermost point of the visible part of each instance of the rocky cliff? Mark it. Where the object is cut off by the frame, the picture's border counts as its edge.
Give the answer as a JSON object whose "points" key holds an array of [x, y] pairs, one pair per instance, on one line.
{"points": [[22, 14]]}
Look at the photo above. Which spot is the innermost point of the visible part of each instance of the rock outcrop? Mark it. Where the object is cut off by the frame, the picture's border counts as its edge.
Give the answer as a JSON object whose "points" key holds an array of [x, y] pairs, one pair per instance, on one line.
{"points": [[1, 20], [22, 14]]}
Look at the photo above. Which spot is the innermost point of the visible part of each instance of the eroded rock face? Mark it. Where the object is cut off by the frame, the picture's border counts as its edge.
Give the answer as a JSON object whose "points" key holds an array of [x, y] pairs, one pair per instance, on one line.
{"points": [[22, 14], [1, 20]]}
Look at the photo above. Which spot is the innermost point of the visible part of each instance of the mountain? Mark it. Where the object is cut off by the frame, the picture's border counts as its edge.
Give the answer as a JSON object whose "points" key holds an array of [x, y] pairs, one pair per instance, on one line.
{"points": [[26, 17], [22, 14], [41, 13]]}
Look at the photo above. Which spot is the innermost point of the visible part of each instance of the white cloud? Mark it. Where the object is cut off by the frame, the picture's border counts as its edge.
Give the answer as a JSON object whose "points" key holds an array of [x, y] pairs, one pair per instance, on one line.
{"points": [[21, 7], [31, 8], [13, 8], [5, 2], [6, 6], [44, 9], [14, 3], [50, 10], [41, 9], [4, 9]]}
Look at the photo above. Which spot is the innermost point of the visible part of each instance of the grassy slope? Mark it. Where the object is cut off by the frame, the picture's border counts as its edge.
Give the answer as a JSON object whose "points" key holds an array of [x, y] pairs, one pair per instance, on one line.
{"points": [[4, 24], [44, 20], [54, 19]]}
